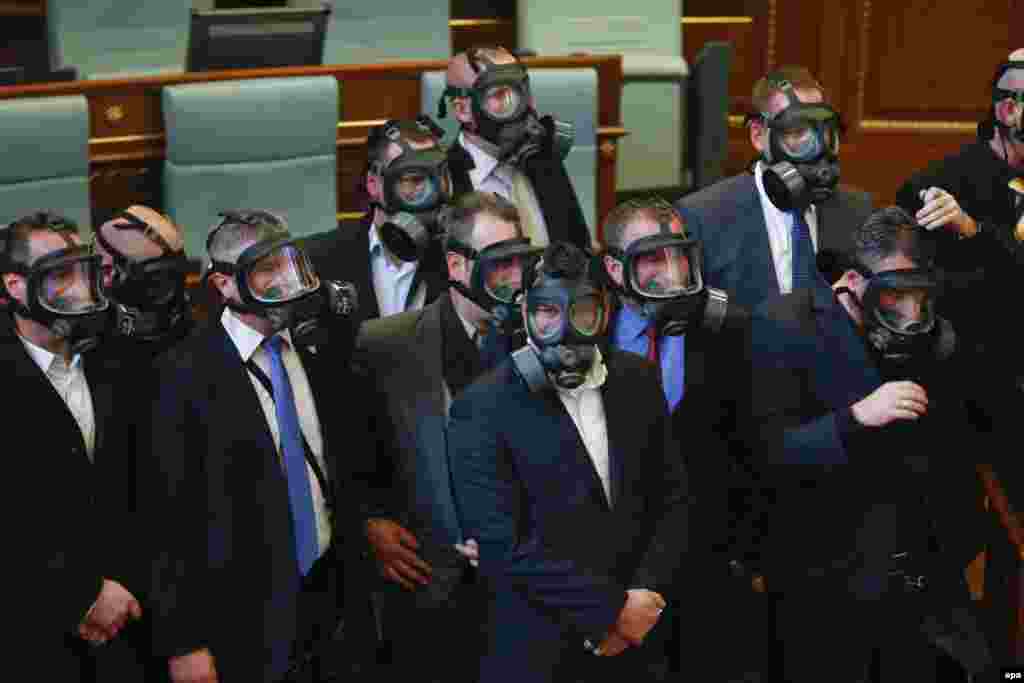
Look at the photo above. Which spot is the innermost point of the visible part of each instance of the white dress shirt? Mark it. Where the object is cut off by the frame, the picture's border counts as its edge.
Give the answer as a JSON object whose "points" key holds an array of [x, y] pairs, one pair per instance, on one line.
{"points": [[586, 408], [392, 279], [487, 175], [248, 342], [780, 232], [70, 384]]}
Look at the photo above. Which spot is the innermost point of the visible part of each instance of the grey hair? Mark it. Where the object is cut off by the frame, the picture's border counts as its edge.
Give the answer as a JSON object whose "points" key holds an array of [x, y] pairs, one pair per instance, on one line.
{"points": [[231, 236]]}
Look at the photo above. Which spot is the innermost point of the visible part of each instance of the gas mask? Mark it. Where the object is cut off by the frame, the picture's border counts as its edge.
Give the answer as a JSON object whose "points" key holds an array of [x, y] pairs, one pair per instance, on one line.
{"points": [[662, 274], [1015, 129], [898, 312], [496, 280], [276, 280], [417, 186], [149, 298], [503, 114], [566, 317], [64, 293], [802, 156]]}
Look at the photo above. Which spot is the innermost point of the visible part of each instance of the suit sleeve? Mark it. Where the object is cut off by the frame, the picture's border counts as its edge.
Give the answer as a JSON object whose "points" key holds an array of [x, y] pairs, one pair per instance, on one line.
{"points": [[490, 498], [779, 392], [173, 508]]}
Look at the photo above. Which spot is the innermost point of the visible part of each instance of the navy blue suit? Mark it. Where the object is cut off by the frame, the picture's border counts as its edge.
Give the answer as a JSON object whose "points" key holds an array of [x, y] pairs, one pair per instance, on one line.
{"points": [[224, 571], [557, 556], [847, 497], [729, 220]]}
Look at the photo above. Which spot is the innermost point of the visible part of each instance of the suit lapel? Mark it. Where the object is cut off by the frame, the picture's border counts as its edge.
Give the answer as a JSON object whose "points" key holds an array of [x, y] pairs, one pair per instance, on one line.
{"points": [[101, 390], [694, 362], [460, 164], [764, 261], [361, 272], [837, 338], [616, 411]]}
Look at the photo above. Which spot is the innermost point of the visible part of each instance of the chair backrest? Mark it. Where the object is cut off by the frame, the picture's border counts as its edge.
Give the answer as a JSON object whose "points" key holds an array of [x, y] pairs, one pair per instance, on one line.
{"points": [[108, 38], [649, 36], [265, 143], [387, 30], [46, 157], [709, 113], [568, 94]]}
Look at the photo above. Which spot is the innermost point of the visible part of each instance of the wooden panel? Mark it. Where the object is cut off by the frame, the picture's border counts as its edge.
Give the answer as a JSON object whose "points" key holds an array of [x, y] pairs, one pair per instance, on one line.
{"points": [[127, 140], [466, 33]]}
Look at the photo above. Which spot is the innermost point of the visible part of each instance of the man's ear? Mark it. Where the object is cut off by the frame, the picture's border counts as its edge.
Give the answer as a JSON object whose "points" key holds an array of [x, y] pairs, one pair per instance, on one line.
{"points": [[456, 265], [757, 135], [463, 110], [16, 286], [1006, 111], [614, 269], [375, 187]]}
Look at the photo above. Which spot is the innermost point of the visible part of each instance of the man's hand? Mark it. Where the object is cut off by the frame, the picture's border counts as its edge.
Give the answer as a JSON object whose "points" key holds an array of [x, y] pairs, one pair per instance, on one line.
{"points": [[469, 550], [942, 209], [612, 645], [890, 402], [114, 607], [395, 550], [639, 615], [195, 667]]}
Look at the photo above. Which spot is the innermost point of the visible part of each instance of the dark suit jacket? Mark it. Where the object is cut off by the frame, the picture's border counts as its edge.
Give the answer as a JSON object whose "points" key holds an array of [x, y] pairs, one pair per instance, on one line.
{"points": [[224, 573], [551, 184], [728, 219], [65, 518], [344, 254], [846, 496], [557, 556], [403, 354]]}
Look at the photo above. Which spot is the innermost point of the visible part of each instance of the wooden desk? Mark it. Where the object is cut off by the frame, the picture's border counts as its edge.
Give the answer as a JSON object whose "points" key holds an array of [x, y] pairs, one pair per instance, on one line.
{"points": [[127, 138]]}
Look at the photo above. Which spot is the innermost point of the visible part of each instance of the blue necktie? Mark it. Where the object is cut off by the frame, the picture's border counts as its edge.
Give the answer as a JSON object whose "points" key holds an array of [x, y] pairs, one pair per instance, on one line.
{"points": [[493, 348], [805, 265], [300, 495]]}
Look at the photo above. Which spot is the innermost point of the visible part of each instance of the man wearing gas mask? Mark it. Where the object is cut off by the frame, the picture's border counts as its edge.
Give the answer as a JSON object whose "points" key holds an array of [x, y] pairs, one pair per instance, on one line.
{"points": [[700, 342], [393, 256], [504, 146], [421, 360], [61, 399], [761, 230], [242, 490], [144, 269], [566, 472], [862, 428]]}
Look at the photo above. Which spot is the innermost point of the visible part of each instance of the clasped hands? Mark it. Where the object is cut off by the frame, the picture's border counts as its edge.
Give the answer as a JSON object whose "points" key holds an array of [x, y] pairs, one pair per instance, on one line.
{"points": [[641, 612], [114, 607]]}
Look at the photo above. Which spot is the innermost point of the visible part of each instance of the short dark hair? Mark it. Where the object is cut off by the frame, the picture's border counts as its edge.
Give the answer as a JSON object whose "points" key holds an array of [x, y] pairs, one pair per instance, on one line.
{"points": [[767, 86], [562, 260], [886, 232], [460, 218], [653, 208], [17, 237], [379, 140]]}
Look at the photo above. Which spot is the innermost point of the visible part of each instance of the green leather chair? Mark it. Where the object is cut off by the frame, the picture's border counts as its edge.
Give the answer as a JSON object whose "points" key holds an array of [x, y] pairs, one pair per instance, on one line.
{"points": [[265, 143], [369, 31], [118, 38], [45, 143]]}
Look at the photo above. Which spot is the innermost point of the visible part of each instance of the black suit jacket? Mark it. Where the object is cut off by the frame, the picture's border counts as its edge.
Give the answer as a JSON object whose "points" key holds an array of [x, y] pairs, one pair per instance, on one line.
{"points": [[223, 571], [344, 254], [551, 184], [63, 509], [728, 219], [559, 556], [846, 496]]}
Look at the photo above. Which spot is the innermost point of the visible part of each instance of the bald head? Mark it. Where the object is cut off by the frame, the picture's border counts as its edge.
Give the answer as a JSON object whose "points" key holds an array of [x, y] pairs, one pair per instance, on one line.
{"points": [[1014, 78], [133, 243], [460, 71]]}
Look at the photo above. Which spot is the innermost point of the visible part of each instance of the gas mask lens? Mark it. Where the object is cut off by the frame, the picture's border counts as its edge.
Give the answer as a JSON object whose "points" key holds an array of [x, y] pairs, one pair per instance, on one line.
{"points": [[909, 311], [587, 315], [417, 189], [72, 288], [503, 102], [282, 275], [662, 273], [503, 277]]}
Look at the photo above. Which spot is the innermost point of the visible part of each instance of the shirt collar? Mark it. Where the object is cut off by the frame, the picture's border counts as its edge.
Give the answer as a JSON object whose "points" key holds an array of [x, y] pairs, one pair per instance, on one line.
{"points": [[45, 359], [245, 339], [483, 163], [595, 378], [470, 328]]}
